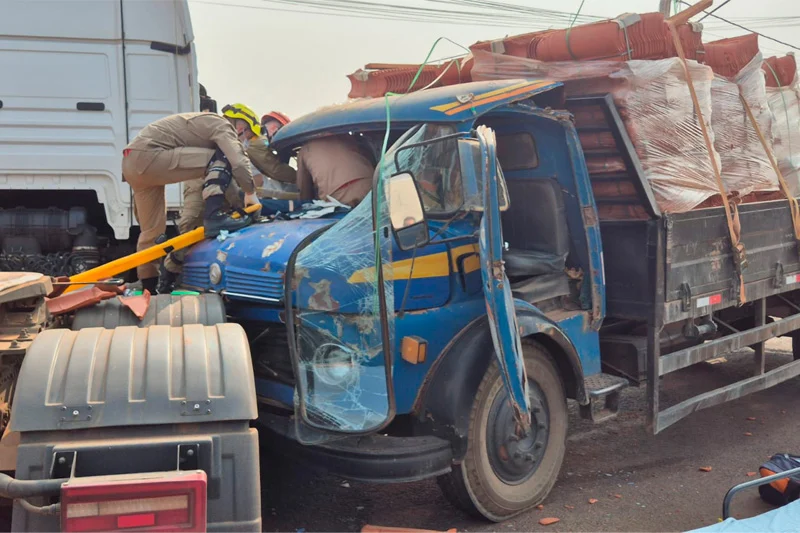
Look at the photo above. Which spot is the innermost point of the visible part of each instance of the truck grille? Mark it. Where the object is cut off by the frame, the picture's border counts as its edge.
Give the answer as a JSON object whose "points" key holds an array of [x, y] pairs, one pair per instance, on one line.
{"points": [[196, 276], [254, 283], [270, 351]]}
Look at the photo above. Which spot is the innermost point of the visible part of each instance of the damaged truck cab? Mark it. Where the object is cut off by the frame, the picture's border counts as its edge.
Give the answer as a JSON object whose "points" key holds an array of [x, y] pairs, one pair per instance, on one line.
{"points": [[438, 328]]}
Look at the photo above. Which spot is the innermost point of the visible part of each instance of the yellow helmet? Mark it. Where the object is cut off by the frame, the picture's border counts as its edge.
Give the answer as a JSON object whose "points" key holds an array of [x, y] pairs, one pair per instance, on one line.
{"points": [[242, 112]]}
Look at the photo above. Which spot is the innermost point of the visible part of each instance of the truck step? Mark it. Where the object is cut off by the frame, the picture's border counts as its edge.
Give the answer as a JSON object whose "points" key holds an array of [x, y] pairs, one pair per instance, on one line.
{"points": [[603, 391]]}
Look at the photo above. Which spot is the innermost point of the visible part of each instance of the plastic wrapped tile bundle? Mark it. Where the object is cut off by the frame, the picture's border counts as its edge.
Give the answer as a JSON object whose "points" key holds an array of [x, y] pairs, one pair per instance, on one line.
{"points": [[665, 129], [654, 101], [745, 164], [784, 102]]}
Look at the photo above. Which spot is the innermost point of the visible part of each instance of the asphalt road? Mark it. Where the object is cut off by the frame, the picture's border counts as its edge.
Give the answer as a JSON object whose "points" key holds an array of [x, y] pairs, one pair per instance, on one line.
{"points": [[642, 482]]}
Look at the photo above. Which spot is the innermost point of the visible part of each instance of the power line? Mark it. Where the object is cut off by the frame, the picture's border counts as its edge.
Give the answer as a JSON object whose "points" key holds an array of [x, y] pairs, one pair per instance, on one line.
{"points": [[746, 29], [375, 16], [395, 12], [713, 10], [502, 6], [498, 14]]}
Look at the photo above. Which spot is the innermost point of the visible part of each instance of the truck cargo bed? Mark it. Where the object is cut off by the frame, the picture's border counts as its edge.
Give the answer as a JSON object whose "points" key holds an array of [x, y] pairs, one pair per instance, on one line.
{"points": [[682, 262], [667, 274]]}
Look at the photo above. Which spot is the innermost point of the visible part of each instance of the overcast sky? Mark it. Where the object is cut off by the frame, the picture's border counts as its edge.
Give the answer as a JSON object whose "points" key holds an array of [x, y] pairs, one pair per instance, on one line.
{"points": [[268, 58]]}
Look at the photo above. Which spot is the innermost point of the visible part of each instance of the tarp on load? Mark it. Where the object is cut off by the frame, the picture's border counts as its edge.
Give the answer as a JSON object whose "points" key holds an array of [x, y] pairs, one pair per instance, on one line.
{"points": [[655, 103]]}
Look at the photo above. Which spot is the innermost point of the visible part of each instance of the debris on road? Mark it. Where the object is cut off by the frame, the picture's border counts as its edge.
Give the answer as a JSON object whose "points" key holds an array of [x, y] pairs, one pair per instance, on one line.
{"points": [[540, 507], [705, 469], [570, 507], [751, 418], [751, 474], [618, 496], [549, 521], [748, 434], [137, 304], [593, 501], [77, 300]]}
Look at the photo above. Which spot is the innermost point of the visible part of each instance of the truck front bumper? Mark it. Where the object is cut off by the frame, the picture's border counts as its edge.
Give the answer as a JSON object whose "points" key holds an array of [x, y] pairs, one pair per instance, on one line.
{"points": [[372, 458]]}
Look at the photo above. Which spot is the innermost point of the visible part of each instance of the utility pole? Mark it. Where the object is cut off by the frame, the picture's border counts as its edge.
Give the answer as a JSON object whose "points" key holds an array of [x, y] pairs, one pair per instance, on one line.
{"points": [[664, 7]]}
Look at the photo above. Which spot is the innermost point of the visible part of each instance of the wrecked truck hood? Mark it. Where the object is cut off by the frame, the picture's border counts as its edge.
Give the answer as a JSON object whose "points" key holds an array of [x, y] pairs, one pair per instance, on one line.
{"points": [[251, 262]]}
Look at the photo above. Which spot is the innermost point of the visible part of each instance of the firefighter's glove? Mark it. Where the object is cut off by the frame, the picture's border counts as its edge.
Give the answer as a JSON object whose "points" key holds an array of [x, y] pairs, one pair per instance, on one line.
{"points": [[252, 199]]}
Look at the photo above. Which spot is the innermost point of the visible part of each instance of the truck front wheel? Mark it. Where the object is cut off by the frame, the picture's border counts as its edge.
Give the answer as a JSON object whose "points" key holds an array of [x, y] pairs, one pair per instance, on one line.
{"points": [[503, 475]]}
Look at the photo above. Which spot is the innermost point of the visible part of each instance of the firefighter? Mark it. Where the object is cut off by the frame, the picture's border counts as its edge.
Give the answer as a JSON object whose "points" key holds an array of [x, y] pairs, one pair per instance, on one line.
{"points": [[272, 174], [265, 167], [185, 147], [336, 167]]}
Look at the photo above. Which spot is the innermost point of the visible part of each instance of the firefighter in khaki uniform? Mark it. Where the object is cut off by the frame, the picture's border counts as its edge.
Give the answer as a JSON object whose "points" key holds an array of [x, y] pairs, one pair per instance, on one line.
{"points": [[265, 165], [184, 147]]}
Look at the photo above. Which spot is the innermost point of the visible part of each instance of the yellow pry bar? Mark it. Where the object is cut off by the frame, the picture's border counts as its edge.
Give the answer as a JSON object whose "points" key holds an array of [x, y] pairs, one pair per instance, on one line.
{"points": [[123, 264]]}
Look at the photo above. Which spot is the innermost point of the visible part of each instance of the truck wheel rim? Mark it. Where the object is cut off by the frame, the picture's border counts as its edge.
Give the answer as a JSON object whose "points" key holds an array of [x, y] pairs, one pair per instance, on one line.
{"points": [[515, 459]]}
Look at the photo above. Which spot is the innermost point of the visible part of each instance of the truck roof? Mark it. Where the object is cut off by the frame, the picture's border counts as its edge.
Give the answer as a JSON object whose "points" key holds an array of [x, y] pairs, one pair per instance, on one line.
{"points": [[164, 21], [455, 103]]}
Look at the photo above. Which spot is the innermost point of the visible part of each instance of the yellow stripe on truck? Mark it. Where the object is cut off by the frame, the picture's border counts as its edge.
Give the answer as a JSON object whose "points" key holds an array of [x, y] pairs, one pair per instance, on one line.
{"points": [[491, 96], [427, 266]]}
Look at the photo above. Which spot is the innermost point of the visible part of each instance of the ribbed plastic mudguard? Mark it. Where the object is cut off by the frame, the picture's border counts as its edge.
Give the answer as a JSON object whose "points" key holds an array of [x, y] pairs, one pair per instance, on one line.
{"points": [[135, 376], [164, 310]]}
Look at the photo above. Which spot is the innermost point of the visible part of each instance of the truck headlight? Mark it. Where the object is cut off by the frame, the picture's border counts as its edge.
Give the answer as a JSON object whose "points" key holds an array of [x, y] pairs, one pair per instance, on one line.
{"points": [[214, 273], [335, 365]]}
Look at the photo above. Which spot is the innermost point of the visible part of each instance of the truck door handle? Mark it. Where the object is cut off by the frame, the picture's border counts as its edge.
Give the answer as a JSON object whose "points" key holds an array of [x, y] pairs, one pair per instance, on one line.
{"points": [[462, 276], [91, 106]]}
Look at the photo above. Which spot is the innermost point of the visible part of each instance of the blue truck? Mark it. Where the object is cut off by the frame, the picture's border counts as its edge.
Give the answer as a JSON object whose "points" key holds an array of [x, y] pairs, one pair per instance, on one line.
{"points": [[437, 330]]}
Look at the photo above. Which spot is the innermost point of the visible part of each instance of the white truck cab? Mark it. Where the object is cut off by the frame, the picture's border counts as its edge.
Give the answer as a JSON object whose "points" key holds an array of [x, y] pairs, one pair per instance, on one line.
{"points": [[80, 78]]}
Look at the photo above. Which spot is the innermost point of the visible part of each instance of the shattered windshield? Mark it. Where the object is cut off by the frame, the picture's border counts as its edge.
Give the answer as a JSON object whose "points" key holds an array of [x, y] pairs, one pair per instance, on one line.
{"points": [[343, 369], [435, 166]]}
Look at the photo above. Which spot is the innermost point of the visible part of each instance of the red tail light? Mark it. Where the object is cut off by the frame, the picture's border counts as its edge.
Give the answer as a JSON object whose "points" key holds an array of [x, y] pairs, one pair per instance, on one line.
{"points": [[166, 501]]}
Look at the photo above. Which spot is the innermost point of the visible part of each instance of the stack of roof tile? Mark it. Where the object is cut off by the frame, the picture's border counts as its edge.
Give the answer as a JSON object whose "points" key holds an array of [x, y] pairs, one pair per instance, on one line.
{"points": [[727, 57], [780, 71], [624, 38], [377, 83]]}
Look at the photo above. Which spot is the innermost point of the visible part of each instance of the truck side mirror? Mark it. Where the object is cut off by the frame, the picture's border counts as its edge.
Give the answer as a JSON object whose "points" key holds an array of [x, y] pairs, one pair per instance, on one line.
{"points": [[406, 212]]}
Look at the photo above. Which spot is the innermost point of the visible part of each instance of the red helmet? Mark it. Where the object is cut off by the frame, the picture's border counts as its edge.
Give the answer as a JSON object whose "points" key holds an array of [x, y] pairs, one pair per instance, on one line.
{"points": [[275, 115]]}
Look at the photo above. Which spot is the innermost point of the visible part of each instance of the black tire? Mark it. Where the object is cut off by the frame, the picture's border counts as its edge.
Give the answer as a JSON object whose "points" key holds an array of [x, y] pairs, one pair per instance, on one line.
{"points": [[490, 482]]}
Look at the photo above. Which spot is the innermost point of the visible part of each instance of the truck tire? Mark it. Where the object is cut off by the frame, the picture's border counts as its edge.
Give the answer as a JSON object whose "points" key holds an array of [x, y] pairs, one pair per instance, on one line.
{"points": [[164, 310], [502, 476]]}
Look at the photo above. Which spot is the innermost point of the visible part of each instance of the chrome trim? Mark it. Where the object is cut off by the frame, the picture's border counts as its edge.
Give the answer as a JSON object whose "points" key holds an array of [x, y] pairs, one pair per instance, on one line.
{"points": [[249, 297]]}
